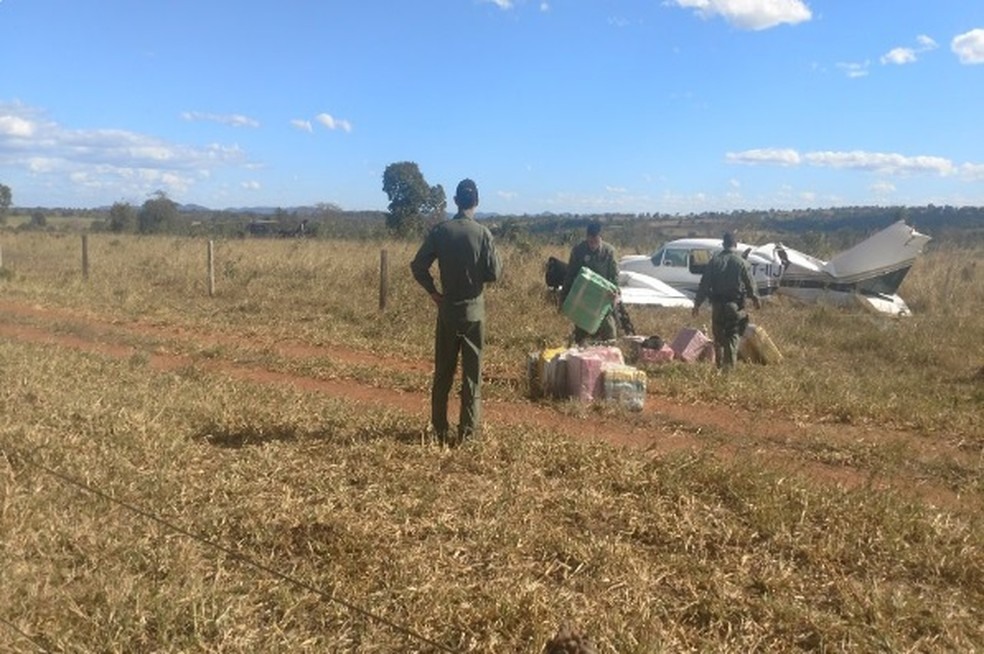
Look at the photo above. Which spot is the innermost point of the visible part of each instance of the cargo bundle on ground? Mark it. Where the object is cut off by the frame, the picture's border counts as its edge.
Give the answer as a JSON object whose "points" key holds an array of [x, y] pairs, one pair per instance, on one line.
{"points": [[586, 374], [645, 349], [756, 346], [691, 345]]}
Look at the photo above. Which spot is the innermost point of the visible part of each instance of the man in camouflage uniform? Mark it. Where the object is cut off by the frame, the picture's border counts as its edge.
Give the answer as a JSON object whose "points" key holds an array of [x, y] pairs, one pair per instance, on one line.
{"points": [[726, 282], [595, 254], [466, 256]]}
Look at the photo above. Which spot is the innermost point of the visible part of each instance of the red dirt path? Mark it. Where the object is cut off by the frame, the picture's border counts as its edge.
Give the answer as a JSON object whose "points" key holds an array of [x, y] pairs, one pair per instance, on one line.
{"points": [[666, 425]]}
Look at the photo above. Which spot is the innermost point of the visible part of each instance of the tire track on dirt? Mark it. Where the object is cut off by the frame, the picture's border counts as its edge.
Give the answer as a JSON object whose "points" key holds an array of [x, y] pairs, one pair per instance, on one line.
{"points": [[664, 426]]}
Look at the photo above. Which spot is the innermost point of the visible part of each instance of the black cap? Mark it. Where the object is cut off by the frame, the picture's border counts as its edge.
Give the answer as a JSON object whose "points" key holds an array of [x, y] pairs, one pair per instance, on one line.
{"points": [[729, 241], [466, 195], [594, 228]]}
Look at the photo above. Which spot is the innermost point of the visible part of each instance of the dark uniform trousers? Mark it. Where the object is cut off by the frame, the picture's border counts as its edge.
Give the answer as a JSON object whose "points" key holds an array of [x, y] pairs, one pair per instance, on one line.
{"points": [[451, 338], [728, 321]]}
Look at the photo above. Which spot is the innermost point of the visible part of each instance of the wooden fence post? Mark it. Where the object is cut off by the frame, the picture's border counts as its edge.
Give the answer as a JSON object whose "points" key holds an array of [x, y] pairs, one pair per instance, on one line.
{"points": [[211, 269], [85, 256], [383, 279]]}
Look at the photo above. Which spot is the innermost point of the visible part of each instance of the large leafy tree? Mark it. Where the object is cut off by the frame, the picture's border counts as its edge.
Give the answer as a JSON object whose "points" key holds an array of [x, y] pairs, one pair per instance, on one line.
{"points": [[6, 197], [122, 217], [158, 214], [412, 200]]}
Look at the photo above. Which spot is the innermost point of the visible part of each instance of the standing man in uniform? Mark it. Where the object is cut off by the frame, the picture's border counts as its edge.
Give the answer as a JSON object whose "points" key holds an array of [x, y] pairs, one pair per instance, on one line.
{"points": [[600, 257], [726, 282], [467, 259]]}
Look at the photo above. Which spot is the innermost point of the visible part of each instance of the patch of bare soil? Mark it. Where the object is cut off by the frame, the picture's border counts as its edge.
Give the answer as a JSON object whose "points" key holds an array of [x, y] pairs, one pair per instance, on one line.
{"points": [[665, 425]]}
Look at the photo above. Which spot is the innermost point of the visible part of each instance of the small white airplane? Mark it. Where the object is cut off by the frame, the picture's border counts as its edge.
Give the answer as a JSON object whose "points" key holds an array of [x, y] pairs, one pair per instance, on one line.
{"points": [[869, 273], [680, 264]]}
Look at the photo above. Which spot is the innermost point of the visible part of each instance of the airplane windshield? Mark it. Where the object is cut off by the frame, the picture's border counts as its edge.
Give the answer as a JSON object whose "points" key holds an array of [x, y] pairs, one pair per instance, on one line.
{"points": [[673, 257]]}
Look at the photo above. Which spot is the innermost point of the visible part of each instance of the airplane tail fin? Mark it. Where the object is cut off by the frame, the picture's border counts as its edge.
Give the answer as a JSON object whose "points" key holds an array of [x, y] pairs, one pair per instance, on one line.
{"points": [[885, 255]]}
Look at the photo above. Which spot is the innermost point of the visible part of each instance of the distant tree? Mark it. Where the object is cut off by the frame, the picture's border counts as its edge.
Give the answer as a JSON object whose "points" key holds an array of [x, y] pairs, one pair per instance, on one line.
{"points": [[38, 219], [158, 214], [122, 217], [437, 204], [411, 198], [5, 199]]}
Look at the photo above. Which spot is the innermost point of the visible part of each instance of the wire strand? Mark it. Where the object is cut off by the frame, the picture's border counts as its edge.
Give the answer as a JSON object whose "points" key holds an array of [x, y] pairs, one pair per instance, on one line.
{"points": [[204, 540], [20, 632]]}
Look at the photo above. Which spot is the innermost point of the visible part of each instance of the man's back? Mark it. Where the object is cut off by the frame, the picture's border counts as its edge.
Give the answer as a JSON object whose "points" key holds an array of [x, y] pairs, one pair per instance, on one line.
{"points": [[726, 278], [467, 258]]}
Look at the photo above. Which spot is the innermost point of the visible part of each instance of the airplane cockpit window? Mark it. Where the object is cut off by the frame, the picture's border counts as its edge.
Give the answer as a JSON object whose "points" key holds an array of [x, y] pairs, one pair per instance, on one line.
{"points": [[657, 257], [675, 258], [699, 260]]}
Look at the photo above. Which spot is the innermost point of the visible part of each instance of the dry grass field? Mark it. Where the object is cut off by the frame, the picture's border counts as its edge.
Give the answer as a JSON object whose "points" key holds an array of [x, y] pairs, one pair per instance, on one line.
{"points": [[250, 472]]}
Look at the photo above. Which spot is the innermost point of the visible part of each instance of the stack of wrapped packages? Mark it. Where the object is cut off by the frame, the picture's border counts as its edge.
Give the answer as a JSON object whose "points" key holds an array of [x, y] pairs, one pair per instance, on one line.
{"points": [[586, 374]]}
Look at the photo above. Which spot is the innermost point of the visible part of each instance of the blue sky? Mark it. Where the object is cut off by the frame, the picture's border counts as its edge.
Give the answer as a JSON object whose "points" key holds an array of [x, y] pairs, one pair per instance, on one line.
{"points": [[582, 106]]}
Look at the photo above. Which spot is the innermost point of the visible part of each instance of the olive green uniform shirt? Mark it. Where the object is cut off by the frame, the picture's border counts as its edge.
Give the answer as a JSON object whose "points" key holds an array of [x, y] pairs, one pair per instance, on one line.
{"points": [[467, 258], [726, 279]]}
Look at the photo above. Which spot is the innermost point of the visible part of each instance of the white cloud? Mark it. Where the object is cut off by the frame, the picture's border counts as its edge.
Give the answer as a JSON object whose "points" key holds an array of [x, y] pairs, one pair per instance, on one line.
{"points": [[880, 162], [41, 164], [751, 14], [899, 56], [233, 120], [251, 185], [303, 125], [883, 188], [16, 126], [903, 55], [854, 70], [333, 123], [781, 157], [973, 172], [502, 4], [57, 156], [969, 47]]}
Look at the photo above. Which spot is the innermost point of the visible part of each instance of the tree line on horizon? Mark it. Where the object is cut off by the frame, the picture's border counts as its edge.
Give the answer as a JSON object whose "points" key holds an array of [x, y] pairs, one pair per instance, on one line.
{"points": [[414, 206]]}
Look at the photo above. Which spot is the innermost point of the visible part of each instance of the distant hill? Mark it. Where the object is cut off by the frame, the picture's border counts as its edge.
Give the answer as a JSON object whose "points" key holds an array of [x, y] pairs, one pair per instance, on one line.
{"points": [[258, 211]]}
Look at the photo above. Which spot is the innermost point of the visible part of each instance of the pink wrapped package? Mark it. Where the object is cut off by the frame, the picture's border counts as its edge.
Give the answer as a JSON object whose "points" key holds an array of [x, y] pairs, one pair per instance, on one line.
{"points": [[662, 355], [584, 367], [689, 344]]}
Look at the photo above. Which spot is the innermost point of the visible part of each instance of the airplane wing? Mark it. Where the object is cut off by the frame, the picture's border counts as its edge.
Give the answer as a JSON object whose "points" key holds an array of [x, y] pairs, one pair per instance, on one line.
{"points": [[639, 289]]}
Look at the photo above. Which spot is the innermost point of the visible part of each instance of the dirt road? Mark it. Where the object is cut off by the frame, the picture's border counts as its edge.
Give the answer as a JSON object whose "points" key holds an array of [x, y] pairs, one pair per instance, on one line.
{"points": [[665, 425]]}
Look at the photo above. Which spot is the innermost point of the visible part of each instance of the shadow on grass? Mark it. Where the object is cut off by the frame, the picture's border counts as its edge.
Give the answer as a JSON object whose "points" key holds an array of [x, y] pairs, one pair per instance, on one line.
{"points": [[240, 436]]}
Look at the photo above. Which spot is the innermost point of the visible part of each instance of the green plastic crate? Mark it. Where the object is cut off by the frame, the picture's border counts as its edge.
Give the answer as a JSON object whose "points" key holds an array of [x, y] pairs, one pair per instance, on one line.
{"points": [[591, 298]]}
